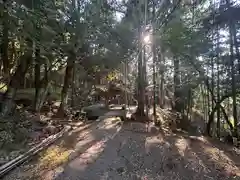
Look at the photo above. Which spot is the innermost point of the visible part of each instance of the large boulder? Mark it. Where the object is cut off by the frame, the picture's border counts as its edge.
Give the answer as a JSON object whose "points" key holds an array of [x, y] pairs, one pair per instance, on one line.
{"points": [[94, 111]]}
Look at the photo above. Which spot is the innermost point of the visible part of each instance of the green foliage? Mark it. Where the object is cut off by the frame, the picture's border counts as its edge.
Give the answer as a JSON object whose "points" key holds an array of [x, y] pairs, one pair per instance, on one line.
{"points": [[59, 27], [86, 33]]}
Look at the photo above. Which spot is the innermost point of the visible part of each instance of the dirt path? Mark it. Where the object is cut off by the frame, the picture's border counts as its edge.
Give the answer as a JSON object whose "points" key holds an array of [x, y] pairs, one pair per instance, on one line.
{"points": [[112, 151]]}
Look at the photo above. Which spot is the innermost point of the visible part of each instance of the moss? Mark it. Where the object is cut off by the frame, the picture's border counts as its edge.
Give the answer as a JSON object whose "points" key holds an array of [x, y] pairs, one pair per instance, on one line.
{"points": [[3, 87], [53, 157]]}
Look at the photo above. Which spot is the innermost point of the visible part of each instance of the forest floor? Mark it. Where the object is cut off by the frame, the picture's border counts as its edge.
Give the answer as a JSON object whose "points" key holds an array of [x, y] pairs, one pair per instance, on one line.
{"points": [[24, 130], [111, 150]]}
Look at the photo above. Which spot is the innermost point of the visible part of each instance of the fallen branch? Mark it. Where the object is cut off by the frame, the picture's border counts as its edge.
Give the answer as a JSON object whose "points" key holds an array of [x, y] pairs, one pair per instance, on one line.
{"points": [[33, 151]]}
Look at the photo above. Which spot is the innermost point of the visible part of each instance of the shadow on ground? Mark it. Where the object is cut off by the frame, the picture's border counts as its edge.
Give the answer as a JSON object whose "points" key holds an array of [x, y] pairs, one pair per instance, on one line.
{"points": [[134, 154], [110, 150]]}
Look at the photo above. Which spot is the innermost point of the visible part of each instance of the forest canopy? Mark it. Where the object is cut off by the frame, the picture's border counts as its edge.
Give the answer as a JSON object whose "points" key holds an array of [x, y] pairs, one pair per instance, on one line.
{"points": [[191, 58]]}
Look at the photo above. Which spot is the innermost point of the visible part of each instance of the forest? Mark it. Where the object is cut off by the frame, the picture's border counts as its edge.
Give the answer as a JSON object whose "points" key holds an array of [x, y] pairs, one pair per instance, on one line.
{"points": [[179, 57]]}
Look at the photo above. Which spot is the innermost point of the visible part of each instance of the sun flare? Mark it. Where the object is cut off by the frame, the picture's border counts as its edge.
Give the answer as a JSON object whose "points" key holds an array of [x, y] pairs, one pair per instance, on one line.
{"points": [[146, 39]]}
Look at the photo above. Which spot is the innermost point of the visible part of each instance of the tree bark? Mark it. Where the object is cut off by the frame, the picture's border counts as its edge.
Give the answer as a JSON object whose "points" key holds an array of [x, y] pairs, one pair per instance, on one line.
{"points": [[43, 89], [218, 88], [67, 81], [236, 46], [37, 79], [189, 107], [154, 69], [9, 96], [144, 71], [140, 98], [218, 106], [232, 62], [177, 94], [5, 41], [73, 88], [206, 81], [154, 84], [162, 64]]}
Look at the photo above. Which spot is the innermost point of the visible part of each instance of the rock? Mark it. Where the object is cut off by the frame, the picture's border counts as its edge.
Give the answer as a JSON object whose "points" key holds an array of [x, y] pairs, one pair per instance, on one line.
{"points": [[39, 120], [120, 170], [14, 154], [3, 160], [56, 105], [45, 108], [36, 136], [228, 139], [50, 130], [153, 129], [77, 115], [49, 114], [94, 111], [24, 102]]}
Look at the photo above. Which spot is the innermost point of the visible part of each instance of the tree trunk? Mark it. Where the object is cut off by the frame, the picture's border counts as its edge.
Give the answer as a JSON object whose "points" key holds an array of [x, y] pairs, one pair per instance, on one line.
{"points": [[189, 104], [73, 88], [233, 71], [144, 74], [212, 82], [67, 81], [206, 82], [214, 100], [236, 46], [218, 88], [8, 101], [43, 89], [43, 93], [140, 98], [232, 61], [5, 41], [162, 96], [37, 79], [218, 106], [154, 83], [177, 94], [154, 68]]}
